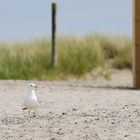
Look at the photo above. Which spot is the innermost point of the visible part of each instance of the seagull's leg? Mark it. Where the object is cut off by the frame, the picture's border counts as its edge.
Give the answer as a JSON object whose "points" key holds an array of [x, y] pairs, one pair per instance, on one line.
{"points": [[24, 114], [29, 112], [34, 113]]}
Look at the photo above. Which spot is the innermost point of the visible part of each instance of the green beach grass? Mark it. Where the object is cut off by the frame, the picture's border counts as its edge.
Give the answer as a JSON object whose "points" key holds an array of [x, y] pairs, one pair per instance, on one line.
{"points": [[76, 57]]}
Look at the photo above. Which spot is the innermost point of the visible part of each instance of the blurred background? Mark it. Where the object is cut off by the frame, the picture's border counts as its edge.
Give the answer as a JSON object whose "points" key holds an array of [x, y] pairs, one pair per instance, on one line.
{"points": [[93, 39]]}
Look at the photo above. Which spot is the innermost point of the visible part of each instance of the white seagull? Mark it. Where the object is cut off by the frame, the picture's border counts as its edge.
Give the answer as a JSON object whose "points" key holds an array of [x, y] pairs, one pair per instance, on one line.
{"points": [[30, 100]]}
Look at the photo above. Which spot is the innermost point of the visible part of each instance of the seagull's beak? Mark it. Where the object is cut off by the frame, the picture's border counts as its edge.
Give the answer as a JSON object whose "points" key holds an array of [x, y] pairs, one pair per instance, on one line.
{"points": [[36, 87]]}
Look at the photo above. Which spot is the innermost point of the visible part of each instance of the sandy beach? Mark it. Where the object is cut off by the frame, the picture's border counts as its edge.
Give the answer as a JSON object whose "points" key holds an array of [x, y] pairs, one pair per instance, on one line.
{"points": [[73, 110]]}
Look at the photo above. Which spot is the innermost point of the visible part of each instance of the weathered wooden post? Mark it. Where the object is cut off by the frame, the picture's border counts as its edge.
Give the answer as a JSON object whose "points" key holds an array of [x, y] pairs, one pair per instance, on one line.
{"points": [[136, 43], [54, 53]]}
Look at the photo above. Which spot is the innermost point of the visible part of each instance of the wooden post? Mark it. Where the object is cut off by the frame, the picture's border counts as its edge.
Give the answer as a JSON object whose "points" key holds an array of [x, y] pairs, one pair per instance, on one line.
{"points": [[136, 43], [54, 54]]}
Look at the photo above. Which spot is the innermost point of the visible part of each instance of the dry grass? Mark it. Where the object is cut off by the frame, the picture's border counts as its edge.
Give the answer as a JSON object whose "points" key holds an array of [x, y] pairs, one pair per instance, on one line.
{"points": [[76, 57]]}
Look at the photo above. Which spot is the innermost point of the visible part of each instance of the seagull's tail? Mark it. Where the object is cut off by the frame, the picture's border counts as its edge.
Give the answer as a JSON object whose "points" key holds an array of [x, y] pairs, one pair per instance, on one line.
{"points": [[24, 108]]}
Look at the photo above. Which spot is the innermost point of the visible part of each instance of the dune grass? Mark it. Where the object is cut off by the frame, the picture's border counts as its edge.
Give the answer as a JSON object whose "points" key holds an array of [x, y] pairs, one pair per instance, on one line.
{"points": [[76, 57]]}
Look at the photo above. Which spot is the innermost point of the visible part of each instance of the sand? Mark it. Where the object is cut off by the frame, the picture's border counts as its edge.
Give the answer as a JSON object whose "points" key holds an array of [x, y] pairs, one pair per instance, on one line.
{"points": [[74, 110]]}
